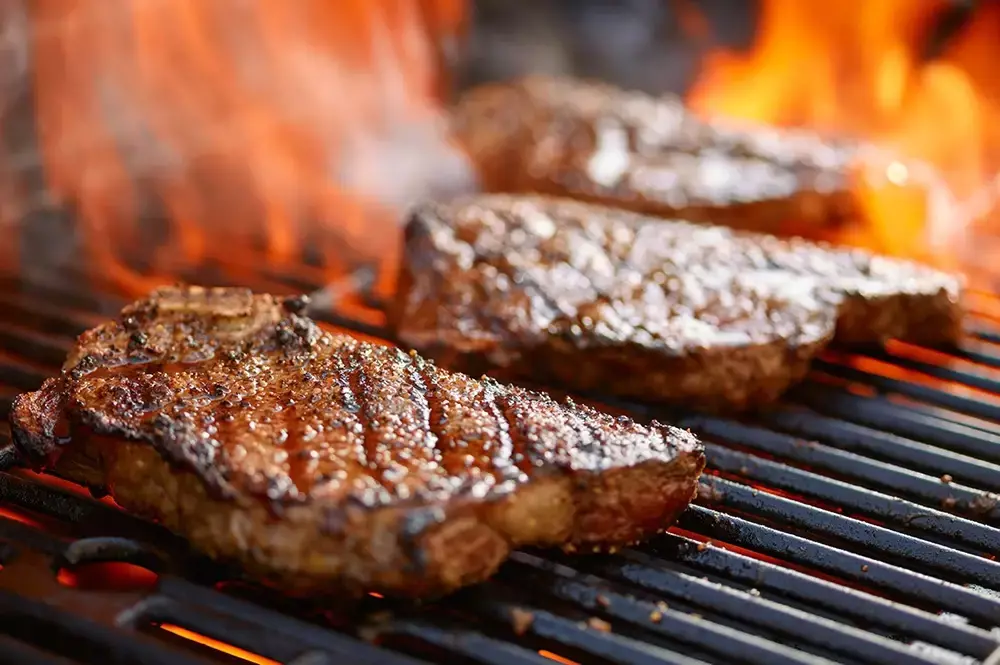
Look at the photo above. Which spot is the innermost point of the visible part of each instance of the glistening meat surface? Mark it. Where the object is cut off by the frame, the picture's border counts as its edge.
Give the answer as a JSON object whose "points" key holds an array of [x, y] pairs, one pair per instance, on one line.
{"points": [[609, 301], [324, 463]]}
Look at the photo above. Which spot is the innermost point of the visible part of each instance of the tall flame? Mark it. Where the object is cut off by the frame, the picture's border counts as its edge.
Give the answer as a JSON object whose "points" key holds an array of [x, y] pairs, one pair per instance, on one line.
{"points": [[246, 123], [859, 69]]}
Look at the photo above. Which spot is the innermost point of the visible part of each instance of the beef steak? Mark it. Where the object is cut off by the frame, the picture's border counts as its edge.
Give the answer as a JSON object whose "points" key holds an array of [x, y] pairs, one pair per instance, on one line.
{"points": [[594, 142], [325, 463], [600, 299]]}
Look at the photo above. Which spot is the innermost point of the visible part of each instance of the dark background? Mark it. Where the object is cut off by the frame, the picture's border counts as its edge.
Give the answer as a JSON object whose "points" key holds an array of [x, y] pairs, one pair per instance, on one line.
{"points": [[639, 44]]}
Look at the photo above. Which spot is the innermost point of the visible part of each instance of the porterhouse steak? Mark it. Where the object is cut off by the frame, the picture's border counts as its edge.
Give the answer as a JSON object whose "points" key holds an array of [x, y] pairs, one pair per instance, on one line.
{"points": [[324, 463]]}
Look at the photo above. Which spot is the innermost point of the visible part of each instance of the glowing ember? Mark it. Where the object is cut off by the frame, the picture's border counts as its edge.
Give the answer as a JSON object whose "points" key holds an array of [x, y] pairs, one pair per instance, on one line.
{"points": [[108, 576], [249, 125], [859, 70], [557, 658], [236, 652], [18, 517]]}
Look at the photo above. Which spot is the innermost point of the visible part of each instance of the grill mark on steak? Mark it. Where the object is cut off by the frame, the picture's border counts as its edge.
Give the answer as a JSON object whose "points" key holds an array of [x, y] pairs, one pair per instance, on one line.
{"points": [[422, 393], [605, 300], [359, 404], [323, 463], [508, 451]]}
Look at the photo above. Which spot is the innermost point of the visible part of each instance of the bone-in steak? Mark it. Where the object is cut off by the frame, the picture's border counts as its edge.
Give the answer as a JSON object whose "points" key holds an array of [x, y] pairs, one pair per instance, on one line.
{"points": [[323, 463], [595, 142], [610, 301]]}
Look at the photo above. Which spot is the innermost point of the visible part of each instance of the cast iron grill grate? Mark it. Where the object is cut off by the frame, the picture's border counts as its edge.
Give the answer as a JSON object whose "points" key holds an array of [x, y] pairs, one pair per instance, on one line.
{"points": [[857, 523]]}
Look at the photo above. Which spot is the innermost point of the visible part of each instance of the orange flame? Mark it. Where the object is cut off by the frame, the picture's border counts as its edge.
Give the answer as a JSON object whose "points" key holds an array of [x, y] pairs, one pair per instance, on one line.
{"points": [[857, 69], [254, 127]]}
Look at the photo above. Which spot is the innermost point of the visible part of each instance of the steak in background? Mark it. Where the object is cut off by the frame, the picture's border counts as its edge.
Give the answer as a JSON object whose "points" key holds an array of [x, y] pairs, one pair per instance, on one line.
{"points": [[323, 463], [607, 301], [595, 142]]}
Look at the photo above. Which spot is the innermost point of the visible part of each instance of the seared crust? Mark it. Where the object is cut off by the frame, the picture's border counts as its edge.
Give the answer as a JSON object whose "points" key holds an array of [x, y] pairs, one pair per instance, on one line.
{"points": [[611, 301], [594, 142], [323, 463]]}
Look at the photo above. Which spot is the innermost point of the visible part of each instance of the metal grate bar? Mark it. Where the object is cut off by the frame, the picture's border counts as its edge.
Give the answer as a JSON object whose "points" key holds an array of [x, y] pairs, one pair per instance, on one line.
{"points": [[894, 510], [749, 627], [42, 317], [223, 618], [881, 414], [976, 352], [265, 631], [990, 410], [41, 349], [73, 297], [188, 592], [264, 639], [848, 602], [82, 514], [847, 464], [890, 544], [574, 636], [470, 644], [592, 594], [992, 336], [890, 447], [21, 378], [969, 378], [200, 610], [867, 571], [15, 652], [12, 531], [795, 624], [40, 623]]}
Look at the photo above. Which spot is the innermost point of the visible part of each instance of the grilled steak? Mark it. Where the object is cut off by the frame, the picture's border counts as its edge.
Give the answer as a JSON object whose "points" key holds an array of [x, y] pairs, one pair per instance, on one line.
{"points": [[325, 463], [594, 142], [601, 299]]}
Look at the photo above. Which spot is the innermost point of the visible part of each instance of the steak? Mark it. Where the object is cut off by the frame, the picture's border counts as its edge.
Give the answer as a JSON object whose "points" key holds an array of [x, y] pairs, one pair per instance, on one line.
{"points": [[598, 143], [605, 300], [323, 463]]}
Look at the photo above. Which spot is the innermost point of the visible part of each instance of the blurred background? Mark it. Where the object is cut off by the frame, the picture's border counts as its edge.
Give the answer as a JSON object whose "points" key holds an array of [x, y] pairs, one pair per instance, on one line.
{"points": [[145, 135], [650, 45]]}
